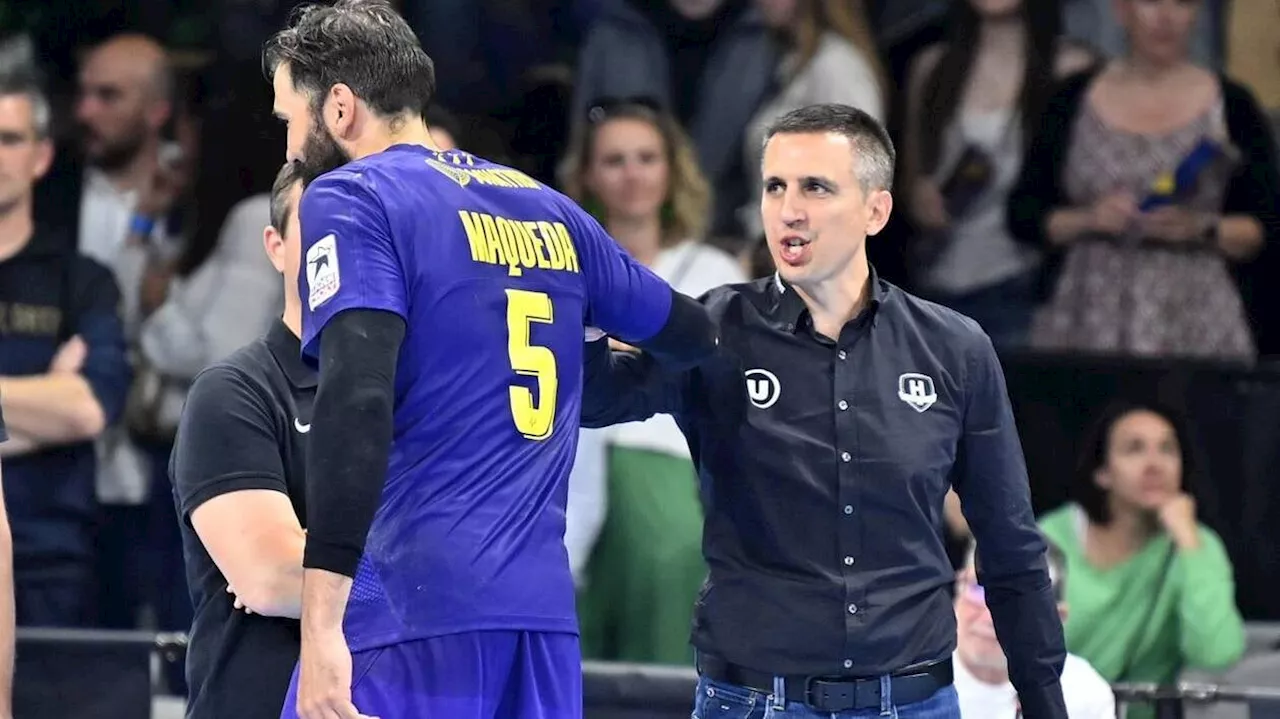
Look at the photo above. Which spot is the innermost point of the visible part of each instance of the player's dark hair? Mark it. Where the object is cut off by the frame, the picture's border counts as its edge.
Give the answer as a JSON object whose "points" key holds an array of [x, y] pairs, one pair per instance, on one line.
{"points": [[363, 44], [289, 175], [1097, 447], [874, 149]]}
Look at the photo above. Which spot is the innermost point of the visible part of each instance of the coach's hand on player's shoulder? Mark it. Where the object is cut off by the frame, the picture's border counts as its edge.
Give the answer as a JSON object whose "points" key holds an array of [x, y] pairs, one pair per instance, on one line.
{"points": [[324, 677]]}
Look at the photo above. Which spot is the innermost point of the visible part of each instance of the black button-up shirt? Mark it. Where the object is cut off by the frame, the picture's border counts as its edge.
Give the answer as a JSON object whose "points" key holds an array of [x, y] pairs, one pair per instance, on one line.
{"points": [[823, 468]]}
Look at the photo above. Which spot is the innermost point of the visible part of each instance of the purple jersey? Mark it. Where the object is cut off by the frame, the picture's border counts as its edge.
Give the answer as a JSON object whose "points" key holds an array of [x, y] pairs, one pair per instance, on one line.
{"points": [[496, 277]]}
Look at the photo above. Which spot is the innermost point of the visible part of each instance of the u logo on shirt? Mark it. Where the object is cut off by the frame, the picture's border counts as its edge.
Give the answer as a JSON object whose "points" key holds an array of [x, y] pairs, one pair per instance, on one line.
{"points": [[763, 388]]}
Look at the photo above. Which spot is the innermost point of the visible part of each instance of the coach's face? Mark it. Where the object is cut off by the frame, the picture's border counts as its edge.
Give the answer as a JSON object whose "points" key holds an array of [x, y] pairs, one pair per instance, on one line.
{"points": [[816, 214], [308, 141]]}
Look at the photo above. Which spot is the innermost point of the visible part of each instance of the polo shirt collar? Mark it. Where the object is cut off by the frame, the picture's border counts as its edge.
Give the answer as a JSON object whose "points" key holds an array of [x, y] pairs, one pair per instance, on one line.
{"points": [[287, 349]]}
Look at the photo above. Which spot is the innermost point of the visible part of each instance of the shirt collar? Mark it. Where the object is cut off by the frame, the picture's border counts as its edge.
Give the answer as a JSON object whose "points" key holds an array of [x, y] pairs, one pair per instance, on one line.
{"points": [[788, 307], [287, 349]]}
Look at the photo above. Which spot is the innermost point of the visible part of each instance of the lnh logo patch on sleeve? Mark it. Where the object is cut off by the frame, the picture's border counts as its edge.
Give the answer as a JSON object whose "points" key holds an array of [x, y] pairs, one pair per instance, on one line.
{"points": [[322, 271]]}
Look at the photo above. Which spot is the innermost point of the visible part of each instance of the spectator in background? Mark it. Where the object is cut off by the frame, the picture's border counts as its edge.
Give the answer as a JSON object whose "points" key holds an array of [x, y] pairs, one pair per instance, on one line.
{"points": [[1147, 253], [974, 102], [982, 670], [1151, 589], [114, 198], [710, 62], [63, 376], [831, 58], [631, 166]]}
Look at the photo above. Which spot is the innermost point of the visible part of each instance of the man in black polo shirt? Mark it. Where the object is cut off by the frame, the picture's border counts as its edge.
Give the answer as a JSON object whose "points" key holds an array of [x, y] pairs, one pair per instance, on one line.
{"points": [[237, 470], [64, 376], [826, 433]]}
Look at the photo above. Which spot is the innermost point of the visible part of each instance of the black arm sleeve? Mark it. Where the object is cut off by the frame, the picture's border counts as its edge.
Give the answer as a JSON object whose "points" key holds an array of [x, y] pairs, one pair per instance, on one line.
{"points": [[350, 440], [688, 338]]}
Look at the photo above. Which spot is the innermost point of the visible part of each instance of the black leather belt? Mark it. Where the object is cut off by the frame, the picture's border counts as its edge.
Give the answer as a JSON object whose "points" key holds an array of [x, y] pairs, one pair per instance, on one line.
{"points": [[836, 694]]}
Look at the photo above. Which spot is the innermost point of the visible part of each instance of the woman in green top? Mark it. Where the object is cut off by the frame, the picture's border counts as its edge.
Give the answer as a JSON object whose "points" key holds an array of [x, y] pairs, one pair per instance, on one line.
{"points": [[1151, 589]]}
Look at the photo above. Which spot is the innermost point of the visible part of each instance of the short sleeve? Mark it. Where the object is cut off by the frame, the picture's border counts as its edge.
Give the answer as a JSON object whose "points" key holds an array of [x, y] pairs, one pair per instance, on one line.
{"points": [[349, 256], [624, 298], [4, 433], [226, 440]]}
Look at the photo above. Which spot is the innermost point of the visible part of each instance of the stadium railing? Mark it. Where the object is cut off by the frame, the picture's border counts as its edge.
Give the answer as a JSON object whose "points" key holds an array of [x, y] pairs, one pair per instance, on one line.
{"points": [[90, 674]]}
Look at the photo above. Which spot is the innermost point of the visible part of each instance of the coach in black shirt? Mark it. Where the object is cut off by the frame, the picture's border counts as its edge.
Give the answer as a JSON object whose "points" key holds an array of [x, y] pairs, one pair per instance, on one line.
{"points": [[237, 469], [826, 433]]}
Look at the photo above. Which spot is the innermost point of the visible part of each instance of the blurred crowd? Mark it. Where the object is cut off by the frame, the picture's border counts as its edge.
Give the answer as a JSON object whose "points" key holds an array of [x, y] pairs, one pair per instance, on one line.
{"points": [[1084, 176]]}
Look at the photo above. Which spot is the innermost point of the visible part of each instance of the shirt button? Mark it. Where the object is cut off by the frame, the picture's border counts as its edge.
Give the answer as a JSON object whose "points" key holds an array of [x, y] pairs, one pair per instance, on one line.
{"points": [[843, 405], [845, 456], [853, 608], [848, 509], [848, 561], [848, 664], [842, 355]]}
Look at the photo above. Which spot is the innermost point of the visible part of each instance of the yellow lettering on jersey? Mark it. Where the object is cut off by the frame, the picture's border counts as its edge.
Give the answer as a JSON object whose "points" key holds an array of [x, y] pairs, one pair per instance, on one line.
{"points": [[566, 246], [480, 250], [518, 244]]}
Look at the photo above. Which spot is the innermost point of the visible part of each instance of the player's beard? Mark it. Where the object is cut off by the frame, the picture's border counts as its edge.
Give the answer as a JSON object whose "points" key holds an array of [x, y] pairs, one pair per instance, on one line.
{"points": [[320, 154]]}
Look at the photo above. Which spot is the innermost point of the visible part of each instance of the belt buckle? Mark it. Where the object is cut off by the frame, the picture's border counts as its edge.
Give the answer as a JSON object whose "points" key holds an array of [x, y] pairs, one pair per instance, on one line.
{"points": [[828, 695]]}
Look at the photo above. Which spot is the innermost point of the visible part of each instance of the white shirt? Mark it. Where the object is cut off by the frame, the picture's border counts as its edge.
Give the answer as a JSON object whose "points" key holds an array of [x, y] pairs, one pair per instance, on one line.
{"points": [[1088, 695]]}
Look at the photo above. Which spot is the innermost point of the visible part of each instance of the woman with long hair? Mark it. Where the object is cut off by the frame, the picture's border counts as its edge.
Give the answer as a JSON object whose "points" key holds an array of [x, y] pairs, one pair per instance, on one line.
{"points": [[974, 102], [1152, 589], [631, 166]]}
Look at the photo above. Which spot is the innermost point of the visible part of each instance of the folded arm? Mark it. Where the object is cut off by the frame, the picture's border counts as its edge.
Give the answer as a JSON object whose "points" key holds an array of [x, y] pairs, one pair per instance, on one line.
{"points": [[62, 407], [229, 477]]}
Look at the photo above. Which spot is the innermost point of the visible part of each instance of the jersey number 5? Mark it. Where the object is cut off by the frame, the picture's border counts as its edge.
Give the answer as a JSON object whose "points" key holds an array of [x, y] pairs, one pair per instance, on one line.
{"points": [[523, 308]]}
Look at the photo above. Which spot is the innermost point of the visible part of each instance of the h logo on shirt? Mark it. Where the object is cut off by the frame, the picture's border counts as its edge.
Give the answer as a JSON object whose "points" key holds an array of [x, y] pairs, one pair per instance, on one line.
{"points": [[917, 390]]}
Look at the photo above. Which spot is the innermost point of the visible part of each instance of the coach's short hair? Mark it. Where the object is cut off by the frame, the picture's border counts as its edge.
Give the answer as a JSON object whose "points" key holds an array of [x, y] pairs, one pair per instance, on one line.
{"points": [[1054, 558], [873, 148], [364, 44], [289, 175], [25, 82]]}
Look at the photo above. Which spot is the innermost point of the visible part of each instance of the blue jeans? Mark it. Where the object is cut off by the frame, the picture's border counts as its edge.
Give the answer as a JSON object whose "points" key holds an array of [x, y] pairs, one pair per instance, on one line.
{"points": [[717, 700]]}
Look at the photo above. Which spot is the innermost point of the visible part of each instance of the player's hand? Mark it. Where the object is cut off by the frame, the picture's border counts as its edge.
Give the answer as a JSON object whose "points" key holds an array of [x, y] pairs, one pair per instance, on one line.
{"points": [[324, 677]]}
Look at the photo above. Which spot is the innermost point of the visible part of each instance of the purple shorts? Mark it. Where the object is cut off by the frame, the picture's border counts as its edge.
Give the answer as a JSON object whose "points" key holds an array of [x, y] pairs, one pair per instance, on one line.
{"points": [[473, 675]]}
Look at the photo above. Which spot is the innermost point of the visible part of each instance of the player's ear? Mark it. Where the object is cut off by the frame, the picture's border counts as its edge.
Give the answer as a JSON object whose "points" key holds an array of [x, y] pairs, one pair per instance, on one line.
{"points": [[342, 113]]}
